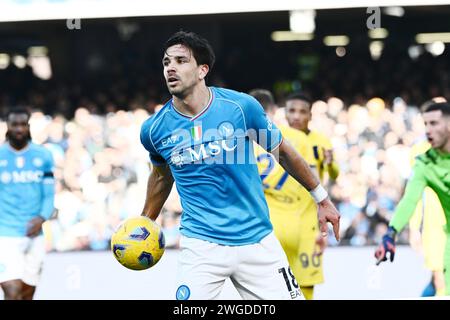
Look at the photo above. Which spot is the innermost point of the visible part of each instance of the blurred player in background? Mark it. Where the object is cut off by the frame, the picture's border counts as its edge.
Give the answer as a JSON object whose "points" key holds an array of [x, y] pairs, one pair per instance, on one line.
{"points": [[427, 235], [431, 169], [26, 201], [427, 225], [203, 139], [298, 115], [293, 211]]}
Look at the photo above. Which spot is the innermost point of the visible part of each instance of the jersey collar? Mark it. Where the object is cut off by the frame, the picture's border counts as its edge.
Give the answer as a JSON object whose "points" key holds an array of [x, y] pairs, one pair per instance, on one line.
{"points": [[442, 154], [18, 151], [192, 118]]}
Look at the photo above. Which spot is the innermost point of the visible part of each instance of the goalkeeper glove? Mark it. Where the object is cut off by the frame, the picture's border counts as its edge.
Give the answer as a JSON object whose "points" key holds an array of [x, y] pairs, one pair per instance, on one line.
{"points": [[387, 245]]}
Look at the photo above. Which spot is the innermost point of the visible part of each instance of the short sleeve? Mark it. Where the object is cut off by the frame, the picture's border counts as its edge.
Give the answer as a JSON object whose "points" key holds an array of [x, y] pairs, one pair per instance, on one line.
{"points": [[326, 143], [259, 127], [155, 158]]}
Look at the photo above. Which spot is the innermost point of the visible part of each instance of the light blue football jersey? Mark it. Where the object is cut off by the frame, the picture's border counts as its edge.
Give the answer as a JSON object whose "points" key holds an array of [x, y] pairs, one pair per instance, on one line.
{"points": [[212, 161], [26, 187]]}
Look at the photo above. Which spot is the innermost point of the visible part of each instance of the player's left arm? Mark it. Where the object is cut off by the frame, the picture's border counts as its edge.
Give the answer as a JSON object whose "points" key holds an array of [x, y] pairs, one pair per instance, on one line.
{"points": [[47, 200], [330, 165], [328, 159], [405, 209]]}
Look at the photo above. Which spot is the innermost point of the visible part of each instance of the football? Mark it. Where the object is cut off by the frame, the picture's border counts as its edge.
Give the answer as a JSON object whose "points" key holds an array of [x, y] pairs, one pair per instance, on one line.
{"points": [[138, 243]]}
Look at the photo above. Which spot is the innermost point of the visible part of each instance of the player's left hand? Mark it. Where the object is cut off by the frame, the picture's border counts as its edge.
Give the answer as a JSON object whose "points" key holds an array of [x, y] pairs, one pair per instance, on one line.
{"points": [[35, 226], [387, 246], [327, 212]]}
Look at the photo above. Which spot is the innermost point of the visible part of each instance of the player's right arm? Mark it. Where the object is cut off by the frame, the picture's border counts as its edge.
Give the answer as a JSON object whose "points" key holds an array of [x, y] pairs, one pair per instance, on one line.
{"points": [[413, 193], [160, 181], [404, 211], [159, 185], [47, 200]]}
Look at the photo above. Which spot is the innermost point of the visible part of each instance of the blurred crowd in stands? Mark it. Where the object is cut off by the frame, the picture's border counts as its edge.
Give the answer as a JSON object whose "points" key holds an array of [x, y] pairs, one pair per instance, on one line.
{"points": [[102, 169], [92, 127]]}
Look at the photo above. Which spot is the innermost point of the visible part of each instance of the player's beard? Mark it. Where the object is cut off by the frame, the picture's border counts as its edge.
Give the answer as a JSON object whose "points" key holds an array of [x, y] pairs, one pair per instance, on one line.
{"points": [[18, 142], [296, 125], [175, 91], [180, 91]]}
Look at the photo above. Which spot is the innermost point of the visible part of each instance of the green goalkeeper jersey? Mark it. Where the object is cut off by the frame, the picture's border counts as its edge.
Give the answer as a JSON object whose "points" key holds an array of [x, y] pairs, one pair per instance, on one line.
{"points": [[431, 169]]}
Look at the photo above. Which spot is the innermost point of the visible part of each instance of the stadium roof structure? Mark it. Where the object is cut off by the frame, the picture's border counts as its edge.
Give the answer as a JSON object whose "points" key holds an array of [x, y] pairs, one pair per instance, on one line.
{"points": [[28, 10]]}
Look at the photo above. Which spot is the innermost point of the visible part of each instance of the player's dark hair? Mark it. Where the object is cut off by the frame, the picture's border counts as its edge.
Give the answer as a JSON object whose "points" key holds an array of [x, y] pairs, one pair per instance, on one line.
{"points": [[200, 47], [300, 96], [264, 97], [17, 111], [442, 106]]}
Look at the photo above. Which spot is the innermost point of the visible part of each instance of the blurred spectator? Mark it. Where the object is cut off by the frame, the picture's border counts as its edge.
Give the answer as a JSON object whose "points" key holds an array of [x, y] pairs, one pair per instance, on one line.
{"points": [[102, 170]]}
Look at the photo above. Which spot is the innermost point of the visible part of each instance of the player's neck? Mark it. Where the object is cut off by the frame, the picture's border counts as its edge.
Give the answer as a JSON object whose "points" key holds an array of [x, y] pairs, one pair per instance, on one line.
{"points": [[193, 103], [446, 147]]}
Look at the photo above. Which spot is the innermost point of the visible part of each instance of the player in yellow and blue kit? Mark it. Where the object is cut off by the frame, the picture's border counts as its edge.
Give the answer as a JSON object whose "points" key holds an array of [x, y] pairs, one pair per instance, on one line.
{"points": [[26, 201], [298, 115], [202, 139], [293, 211]]}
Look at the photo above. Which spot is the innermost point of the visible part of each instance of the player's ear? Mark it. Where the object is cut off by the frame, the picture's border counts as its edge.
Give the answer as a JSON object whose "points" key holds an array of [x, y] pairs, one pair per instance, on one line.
{"points": [[203, 71]]}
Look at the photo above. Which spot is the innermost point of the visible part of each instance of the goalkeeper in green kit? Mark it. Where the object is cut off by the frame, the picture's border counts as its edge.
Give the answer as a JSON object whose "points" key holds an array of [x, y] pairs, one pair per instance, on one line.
{"points": [[431, 169]]}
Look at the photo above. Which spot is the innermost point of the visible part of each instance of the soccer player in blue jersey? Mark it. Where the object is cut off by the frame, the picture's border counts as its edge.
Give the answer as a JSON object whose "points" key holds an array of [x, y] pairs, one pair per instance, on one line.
{"points": [[202, 139], [26, 201]]}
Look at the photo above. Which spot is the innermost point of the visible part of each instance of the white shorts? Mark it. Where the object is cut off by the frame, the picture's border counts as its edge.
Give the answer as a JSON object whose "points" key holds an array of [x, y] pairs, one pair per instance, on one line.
{"points": [[258, 271], [21, 258]]}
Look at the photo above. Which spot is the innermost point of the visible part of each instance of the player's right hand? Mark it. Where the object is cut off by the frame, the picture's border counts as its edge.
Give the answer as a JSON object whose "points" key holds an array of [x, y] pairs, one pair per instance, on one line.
{"points": [[387, 246], [327, 212], [35, 226]]}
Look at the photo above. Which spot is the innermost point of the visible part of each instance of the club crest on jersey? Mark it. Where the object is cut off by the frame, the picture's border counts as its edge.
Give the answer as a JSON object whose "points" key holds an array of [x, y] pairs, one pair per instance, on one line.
{"points": [[226, 129], [38, 162]]}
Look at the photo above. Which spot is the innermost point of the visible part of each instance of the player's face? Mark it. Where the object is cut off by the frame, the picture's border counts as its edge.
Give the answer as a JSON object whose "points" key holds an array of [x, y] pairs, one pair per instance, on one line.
{"points": [[181, 71], [437, 128], [18, 127], [298, 114]]}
